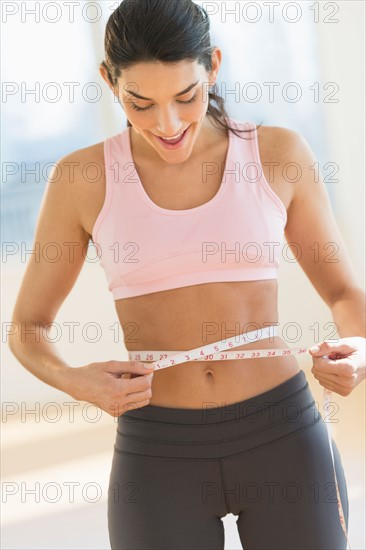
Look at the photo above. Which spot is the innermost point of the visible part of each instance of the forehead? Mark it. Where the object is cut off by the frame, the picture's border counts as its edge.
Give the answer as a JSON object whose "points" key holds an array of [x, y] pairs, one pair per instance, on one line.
{"points": [[161, 79]]}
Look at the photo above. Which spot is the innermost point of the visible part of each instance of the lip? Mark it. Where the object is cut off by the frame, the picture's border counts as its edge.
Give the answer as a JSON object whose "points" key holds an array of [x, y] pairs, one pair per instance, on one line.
{"points": [[168, 145]]}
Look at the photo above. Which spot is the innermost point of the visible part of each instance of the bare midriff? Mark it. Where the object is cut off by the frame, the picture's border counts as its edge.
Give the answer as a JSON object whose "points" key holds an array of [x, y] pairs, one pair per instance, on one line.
{"points": [[189, 317]]}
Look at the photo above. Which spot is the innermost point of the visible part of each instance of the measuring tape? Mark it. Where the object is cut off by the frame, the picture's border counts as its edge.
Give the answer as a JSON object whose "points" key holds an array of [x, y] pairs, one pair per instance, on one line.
{"points": [[214, 352]]}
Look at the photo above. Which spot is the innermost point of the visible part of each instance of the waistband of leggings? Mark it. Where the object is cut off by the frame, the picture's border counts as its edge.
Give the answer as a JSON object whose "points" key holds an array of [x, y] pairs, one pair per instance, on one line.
{"points": [[295, 387]]}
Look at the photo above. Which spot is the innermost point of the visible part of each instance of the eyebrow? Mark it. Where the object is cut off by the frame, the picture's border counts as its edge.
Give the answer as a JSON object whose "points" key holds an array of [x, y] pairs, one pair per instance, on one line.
{"points": [[176, 95]]}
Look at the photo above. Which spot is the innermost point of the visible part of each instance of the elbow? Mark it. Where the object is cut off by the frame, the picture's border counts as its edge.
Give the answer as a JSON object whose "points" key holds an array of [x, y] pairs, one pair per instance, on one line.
{"points": [[18, 331], [13, 332], [350, 292], [24, 330]]}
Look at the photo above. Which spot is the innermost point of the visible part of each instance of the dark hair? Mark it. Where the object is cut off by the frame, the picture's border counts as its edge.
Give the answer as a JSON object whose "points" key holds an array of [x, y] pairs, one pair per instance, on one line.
{"points": [[161, 30]]}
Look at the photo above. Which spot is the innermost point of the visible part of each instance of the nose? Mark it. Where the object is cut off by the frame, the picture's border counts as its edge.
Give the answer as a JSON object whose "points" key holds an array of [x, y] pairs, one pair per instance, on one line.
{"points": [[168, 123]]}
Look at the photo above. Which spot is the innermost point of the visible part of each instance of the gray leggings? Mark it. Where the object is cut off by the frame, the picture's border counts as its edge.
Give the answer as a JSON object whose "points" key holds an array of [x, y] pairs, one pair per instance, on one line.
{"points": [[176, 472]]}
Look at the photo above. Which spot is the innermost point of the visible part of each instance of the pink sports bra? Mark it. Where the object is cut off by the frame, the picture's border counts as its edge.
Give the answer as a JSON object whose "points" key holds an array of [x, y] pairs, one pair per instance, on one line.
{"points": [[235, 236]]}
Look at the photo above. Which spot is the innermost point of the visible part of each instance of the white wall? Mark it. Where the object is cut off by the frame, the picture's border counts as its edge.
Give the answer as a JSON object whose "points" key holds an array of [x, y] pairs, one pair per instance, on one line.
{"points": [[342, 57]]}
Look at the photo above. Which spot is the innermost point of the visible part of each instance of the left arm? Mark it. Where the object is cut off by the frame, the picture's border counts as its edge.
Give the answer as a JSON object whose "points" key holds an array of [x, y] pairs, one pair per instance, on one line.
{"points": [[348, 313], [324, 258]]}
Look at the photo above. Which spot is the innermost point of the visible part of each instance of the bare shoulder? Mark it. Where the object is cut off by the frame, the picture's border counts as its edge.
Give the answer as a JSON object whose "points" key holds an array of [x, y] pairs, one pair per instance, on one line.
{"points": [[93, 154], [86, 172], [280, 143], [278, 147], [286, 158], [94, 151]]}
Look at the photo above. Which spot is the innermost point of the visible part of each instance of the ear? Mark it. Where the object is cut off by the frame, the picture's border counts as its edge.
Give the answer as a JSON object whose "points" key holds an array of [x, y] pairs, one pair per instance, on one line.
{"points": [[104, 74], [216, 62]]}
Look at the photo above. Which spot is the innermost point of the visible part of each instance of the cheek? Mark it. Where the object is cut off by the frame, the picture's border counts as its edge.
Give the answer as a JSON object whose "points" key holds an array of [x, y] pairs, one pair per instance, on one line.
{"points": [[140, 121], [194, 112], [199, 108]]}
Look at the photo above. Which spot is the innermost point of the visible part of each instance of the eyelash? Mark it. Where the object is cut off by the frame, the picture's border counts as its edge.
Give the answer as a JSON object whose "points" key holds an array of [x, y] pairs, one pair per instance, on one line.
{"points": [[134, 106]]}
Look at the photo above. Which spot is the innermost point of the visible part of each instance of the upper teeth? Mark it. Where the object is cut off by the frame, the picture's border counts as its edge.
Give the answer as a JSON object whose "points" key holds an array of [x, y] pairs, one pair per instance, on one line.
{"points": [[175, 137]]}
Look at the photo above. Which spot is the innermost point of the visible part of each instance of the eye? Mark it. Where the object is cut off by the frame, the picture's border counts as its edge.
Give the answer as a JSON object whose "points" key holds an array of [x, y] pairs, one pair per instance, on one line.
{"points": [[190, 100], [134, 106]]}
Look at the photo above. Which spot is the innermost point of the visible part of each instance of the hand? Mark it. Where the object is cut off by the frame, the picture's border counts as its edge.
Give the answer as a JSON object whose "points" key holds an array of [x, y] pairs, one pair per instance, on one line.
{"points": [[113, 386], [345, 367]]}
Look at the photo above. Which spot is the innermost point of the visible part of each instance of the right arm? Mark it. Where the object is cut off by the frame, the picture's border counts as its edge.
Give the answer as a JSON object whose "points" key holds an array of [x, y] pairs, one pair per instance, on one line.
{"points": [[45, 286], [46, 283]]}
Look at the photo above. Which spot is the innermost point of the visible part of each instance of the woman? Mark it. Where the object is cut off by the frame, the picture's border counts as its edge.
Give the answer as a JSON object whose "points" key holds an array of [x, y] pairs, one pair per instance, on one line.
{"points": [[189, 235]]}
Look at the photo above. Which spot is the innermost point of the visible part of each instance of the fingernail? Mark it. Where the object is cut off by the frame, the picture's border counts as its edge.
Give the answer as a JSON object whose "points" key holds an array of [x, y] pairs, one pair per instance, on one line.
{"points": [[314, 349], [149, 366]]}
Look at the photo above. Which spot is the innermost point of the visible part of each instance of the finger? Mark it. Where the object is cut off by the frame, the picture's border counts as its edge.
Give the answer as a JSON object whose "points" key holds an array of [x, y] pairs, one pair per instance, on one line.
{"points": [[140, 383], [336, 388], [327, 383], [333, 381], [138, 396], [326, 348], [345, 348], [343, 367], [321, 376]]}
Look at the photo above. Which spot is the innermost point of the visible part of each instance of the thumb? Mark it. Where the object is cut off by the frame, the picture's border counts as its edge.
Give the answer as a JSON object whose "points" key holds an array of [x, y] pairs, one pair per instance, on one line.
{"points": [[328, 348], [119, 368], [138, 367]]}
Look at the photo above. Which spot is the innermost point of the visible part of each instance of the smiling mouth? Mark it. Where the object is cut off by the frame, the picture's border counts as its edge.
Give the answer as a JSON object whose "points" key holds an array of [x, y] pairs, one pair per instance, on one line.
{"points": [[173, 142], [174, 137]]}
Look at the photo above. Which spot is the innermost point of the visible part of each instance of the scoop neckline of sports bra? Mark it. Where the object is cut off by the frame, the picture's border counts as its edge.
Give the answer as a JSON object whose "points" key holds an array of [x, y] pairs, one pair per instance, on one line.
{"points": [[155, 206]]}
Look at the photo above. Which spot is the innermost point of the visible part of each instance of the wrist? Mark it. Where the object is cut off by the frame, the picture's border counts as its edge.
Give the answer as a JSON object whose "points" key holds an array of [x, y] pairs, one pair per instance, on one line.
{"points": [[66, 380]]}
